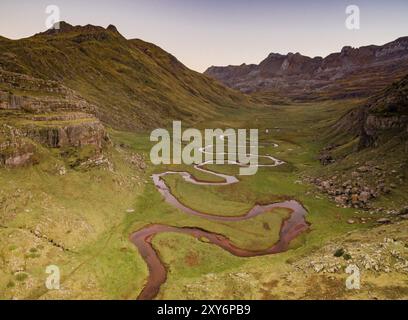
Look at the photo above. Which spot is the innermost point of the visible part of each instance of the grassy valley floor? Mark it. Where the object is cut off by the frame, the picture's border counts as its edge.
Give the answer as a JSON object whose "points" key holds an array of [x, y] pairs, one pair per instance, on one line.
{"points": [[81, 221]]}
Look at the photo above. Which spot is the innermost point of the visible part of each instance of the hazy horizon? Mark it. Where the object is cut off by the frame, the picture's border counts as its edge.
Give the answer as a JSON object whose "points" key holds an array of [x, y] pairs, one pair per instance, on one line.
{"points": [[205, 33]]}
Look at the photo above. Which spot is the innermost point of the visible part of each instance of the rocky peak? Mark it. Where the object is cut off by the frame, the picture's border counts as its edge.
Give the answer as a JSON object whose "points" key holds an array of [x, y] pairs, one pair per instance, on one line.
{"points": [[273, 55], [402, 40], [62, 26], [57, 28], [112, 28], [346, 50], [88, 30], [292, 63], [272, 64]]}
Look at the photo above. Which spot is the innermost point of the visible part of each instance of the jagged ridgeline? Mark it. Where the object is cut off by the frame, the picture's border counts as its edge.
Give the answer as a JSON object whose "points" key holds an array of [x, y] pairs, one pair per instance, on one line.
{"points": [[131, 84], [353, 72]]}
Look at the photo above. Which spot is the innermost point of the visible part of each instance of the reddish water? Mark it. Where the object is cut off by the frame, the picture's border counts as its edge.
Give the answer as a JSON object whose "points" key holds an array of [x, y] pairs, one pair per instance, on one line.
{"points": [[290, 229]]}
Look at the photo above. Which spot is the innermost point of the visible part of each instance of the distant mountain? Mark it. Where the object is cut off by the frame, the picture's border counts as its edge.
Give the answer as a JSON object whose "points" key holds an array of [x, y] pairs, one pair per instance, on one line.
{"points": [[131, 84], [353, 72]]}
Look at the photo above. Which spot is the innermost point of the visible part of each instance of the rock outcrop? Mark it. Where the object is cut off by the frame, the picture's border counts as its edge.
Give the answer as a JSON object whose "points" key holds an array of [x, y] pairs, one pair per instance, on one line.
{"points": [[35, 111], [383, 116], [29, 94], [86, 131], [367, 155], [15, 151]]}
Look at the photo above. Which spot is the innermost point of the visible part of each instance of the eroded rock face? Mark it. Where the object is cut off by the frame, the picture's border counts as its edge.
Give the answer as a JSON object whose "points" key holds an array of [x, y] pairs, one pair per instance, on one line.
{"points": [[385, 113], [17, 145], [10, 102], [15, 151], [45, 112], [20, 157], [375, 124], [87, 132], [38, 95], [37, 105]]}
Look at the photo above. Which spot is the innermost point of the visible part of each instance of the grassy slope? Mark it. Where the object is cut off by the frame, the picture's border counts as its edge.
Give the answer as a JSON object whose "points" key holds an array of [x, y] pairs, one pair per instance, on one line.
{"points": [[389, 152], [86, 212], [146, 85], [83, 212]]}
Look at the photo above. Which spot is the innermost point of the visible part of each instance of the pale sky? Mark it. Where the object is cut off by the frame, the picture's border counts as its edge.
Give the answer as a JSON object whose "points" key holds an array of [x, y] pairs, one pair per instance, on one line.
{"points": [[201, 33]]}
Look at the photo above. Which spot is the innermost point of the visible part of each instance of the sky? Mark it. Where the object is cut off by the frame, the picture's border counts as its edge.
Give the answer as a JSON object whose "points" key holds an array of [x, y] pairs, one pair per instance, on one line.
{"points": [[202, 33]]}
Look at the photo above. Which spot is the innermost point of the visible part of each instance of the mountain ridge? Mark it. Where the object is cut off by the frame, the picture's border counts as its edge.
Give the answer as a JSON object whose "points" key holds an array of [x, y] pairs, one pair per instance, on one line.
{"points": [[354, 72], [93, 60]]}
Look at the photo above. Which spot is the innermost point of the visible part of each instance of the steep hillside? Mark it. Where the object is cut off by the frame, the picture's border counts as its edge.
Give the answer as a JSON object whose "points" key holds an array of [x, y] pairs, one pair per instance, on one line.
{"points": [[131, 83], [353, 72], [367, 151], [382, 117]]}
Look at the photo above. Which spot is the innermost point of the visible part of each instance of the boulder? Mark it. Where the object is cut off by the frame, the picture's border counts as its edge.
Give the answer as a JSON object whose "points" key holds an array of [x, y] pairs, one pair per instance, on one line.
{"points": [[384, 221], [403, 211], [363, 169], [341, 199], [354, 199], [364, 196], [326, 159]]}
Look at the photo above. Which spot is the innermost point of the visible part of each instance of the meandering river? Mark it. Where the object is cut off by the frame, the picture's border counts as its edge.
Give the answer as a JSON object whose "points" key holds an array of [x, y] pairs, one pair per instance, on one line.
{"points": [[142, 239]]}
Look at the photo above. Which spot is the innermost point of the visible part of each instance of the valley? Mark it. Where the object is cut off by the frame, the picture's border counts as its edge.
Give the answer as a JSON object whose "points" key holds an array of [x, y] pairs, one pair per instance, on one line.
{"points": [[79, 190], [93, 222]]}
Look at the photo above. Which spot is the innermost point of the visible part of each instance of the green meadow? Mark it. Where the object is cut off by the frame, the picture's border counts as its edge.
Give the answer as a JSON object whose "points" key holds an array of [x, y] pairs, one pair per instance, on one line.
{"points": [[81, 221]]}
